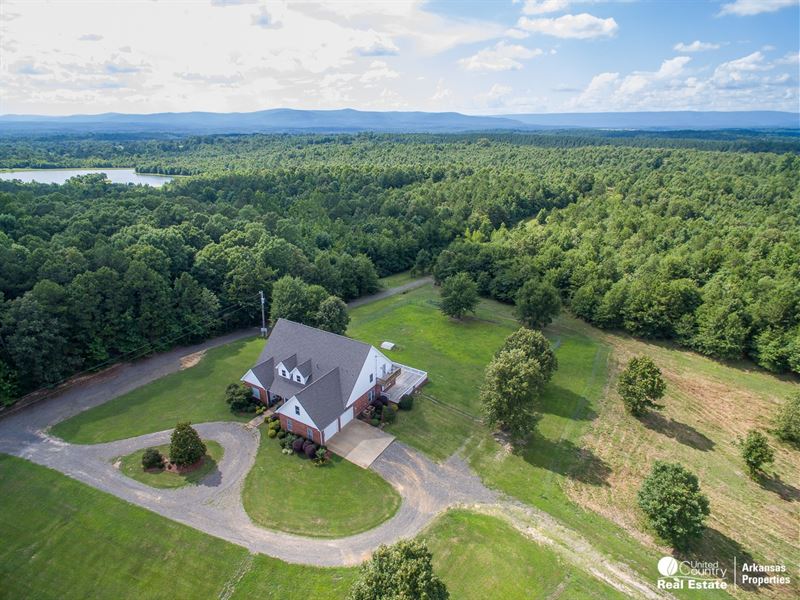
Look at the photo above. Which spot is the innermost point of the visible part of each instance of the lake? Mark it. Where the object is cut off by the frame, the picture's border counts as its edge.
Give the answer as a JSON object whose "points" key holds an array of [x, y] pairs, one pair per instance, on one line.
{"points": [[61, 175]]}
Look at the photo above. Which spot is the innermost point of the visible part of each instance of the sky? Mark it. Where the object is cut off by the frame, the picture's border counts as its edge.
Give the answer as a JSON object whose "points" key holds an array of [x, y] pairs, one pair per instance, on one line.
{"points": [[478, 57]]}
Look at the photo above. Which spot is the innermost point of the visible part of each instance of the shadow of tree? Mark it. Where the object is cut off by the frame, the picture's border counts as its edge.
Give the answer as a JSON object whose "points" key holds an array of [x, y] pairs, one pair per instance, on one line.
{"points": [[561, 402], [213, 479], [680, 432], [775, 484], [715, 546], [564, 458]]}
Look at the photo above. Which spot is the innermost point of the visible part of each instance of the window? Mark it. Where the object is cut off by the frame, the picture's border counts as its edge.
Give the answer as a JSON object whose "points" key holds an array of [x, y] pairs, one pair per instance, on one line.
{"points": [[284, 373], [371, 395], [298, 379], [297, 410], [371, 377], [256, 393], [310, 433], [289, 424]]}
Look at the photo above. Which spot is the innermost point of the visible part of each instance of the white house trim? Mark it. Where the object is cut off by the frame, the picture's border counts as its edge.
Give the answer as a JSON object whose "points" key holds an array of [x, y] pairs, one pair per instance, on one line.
{"points": [[251, 378], [372, 366], [288, 409]]}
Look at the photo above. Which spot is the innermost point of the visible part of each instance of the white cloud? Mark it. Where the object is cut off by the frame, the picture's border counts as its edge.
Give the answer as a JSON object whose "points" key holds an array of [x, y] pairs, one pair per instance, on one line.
{"points": [[582, 26], [378, 70], [741, 72], [695, 46], [500, 57], [746, 8], [442, 92], [541, 7], [90, 37]]}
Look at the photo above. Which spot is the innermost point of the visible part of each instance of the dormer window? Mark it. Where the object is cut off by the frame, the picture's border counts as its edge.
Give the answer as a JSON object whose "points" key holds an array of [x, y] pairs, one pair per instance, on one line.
{"points": [[284, 373], [298, 379]]}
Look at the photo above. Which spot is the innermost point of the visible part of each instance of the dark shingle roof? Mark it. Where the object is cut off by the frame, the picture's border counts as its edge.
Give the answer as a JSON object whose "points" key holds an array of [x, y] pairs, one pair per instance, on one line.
{"points": [[319, 353], [265, 372]]}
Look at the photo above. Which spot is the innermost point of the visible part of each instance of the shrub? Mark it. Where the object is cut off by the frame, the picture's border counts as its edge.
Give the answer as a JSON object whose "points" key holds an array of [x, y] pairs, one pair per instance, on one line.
{"points": [[152, 459], [393, 406], [321, 456], [756, 451], [240, 398], [384, 399], [186, 447], [676, 508], [271, 433], [288, 440], [787, 421], [297, 445], [281, 434], [275, 425], [310, 450], [376, 403], [375, 422], [406, 402], [389, 415]]}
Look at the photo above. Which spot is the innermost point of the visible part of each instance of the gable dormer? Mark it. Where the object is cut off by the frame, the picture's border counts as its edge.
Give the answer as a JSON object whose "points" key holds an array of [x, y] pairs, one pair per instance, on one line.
{"points": [[286, 366]]}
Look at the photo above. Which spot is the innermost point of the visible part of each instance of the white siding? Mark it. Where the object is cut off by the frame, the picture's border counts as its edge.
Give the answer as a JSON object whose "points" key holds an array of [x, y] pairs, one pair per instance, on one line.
{"points": [[294, 374], [250, 378], [376, 364], [288, 409], [330, 431]]}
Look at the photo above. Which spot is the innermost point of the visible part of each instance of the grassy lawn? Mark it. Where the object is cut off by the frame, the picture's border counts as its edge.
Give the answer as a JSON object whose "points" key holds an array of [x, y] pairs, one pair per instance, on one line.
{"points": [[480, 557], [65, 540], [195, 394], [433, 428], [453, 353], [131, 465], [292, 494]]}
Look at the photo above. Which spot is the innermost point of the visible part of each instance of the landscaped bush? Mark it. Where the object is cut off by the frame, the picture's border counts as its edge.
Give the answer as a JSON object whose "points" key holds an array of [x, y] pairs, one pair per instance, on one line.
{"points": [[152, 459], [310, 450], [376, 403], [375, 422], [406, 402], [288, 440], [240, 398], [281, 434], [321, 456], [271, 433], [297, 445], [389, 415], [186, 447]]}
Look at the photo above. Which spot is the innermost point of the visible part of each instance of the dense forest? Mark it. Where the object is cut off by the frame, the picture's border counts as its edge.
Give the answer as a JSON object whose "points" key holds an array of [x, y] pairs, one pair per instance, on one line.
{"points": [[685, 243]]}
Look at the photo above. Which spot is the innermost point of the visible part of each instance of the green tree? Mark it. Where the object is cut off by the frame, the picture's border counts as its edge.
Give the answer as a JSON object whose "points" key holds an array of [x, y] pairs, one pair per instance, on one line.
{"points": [[671, 499], [240, 398], [536, 347], [185, 447], [510, 389], [641, 385], [537, 302], [787, 421], [459, 295], [403, 571], [295, 300], [332, 315], [756, 451]]}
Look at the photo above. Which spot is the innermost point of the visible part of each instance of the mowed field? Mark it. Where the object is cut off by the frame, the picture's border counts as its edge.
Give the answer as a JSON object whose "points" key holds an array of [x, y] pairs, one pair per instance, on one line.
{"points": [[63, 540], [195, 394], [291, 494], [708, 405]]}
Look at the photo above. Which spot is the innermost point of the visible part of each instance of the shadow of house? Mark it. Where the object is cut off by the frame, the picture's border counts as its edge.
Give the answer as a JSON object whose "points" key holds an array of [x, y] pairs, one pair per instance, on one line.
{"points": [[680, 432]]}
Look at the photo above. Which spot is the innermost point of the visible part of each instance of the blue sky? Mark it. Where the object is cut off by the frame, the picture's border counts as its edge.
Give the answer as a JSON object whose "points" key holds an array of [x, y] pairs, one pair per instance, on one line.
{"points": [[489, 57]]}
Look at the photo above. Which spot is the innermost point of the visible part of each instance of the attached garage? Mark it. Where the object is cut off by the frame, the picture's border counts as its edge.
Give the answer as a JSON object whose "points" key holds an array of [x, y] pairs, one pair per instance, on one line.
{"points": [[330, 431], [346, 417]]}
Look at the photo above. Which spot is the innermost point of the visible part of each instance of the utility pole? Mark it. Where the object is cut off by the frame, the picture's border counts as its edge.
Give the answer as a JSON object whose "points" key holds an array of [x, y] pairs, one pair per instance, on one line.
{"points": [[263, 318]]}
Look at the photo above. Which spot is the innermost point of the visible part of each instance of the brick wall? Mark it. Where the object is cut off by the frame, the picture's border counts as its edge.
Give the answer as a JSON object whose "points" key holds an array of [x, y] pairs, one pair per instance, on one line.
{"points": [[362, 401], [299, 428]]}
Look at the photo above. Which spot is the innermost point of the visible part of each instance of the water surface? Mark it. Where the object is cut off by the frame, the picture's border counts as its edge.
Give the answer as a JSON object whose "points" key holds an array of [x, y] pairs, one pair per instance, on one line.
{"points": [[61, 175]]}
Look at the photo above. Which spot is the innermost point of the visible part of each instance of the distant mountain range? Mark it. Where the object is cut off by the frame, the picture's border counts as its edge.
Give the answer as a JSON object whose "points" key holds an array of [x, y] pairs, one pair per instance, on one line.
{"points": [[285, 120]]}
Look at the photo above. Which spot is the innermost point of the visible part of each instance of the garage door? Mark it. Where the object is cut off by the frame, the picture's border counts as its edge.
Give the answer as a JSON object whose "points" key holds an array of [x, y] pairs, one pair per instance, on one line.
{"points": [[347, 416]]}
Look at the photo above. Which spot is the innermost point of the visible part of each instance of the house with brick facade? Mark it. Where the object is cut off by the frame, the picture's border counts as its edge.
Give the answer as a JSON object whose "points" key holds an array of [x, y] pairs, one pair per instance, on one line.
{"points": [[321, 381]]}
